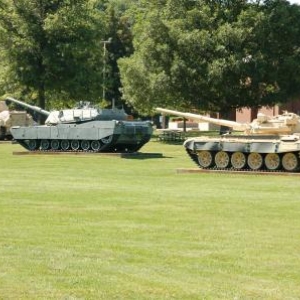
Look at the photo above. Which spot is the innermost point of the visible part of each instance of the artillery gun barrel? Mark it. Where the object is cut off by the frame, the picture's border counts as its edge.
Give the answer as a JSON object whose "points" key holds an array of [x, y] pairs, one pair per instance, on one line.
{"points": [[34, 108], [235, 125]]}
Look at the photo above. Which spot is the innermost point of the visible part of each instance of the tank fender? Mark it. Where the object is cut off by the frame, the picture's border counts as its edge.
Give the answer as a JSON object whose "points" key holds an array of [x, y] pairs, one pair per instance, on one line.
{"points": [[189, 144]]}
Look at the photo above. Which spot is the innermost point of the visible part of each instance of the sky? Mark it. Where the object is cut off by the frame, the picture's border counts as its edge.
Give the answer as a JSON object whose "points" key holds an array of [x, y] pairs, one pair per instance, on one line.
{"points": [[295, 1]]}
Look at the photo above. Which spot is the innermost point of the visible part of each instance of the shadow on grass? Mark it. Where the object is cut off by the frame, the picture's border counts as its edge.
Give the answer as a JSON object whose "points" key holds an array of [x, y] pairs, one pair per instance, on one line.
{"points": [[140, 155]]}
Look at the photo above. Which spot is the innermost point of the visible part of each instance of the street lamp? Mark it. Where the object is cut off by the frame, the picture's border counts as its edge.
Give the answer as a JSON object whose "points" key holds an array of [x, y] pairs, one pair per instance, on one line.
{"points": [[104, 65]]}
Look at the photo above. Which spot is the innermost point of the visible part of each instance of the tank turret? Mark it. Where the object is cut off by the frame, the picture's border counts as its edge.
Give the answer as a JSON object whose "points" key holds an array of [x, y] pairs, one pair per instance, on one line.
{"points": [[269, 143], [287, 123], [84, 112], [83, 128]]}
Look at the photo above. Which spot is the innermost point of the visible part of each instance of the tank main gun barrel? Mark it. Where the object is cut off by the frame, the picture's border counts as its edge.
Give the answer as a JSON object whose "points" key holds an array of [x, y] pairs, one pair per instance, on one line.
{"points": [[34, 108], [234, 125]]}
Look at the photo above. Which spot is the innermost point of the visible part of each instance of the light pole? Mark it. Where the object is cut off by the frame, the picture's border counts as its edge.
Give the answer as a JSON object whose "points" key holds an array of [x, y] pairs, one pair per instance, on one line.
{"points": [[104, 66]]}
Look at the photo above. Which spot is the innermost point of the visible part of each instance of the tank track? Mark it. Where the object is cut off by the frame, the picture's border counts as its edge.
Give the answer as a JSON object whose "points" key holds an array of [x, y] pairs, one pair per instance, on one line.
{"points": [[110, 147], [194, 158]]}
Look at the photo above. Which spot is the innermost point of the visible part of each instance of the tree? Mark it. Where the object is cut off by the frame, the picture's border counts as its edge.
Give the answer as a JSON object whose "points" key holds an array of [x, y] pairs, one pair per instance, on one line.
{"points": [[279, 44], [120, 45], [210, 55], [186, 53], [145, 72], [53, 47]]}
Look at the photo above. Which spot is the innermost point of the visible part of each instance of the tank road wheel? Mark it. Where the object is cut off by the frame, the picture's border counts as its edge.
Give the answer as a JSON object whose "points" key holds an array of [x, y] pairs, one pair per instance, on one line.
{"points": [[222, 160], [255, 161], [54, 144], [85, 145], [32, 145], [290, 162], [205, 159], [107, 139], [272, 161], [238, 160], [65, 145], [75, 145], [45, 144], [95, 145]]}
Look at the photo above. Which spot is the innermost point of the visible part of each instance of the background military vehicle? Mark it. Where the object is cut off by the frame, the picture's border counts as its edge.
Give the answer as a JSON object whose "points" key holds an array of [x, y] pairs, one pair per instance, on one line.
{"points": [[83, 129], [9, 118], [268, 143]]}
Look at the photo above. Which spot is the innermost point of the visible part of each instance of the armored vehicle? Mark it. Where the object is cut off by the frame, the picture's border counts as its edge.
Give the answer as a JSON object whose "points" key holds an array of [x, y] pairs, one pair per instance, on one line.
{"points": [[83, 129], [268, 143], [9, 118]]}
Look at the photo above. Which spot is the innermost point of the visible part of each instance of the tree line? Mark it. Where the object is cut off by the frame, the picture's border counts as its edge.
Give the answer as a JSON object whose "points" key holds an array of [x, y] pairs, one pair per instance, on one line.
{"points": [[183, 54]]}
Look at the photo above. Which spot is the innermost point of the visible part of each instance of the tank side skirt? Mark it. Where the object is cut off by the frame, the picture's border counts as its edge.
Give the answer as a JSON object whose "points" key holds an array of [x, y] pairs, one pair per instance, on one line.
{"points": [[245, 147], [118, 143]]}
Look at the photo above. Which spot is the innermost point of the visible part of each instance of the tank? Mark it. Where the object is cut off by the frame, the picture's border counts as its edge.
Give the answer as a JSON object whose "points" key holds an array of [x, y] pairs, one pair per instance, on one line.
{"points": [[83, 128], [268, 143], [9, 118]]}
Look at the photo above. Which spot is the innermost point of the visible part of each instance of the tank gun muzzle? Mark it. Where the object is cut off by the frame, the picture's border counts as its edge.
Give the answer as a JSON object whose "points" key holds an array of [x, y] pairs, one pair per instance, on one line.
{"points": [[32, 107]]}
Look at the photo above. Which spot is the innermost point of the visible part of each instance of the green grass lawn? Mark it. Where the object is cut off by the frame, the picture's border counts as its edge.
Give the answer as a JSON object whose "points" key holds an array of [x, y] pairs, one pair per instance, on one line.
{"points": [[99, 227]]}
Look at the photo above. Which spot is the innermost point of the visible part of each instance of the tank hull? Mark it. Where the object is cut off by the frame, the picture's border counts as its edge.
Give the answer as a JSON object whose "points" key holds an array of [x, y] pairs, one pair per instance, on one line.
{"points": [[98, 136], [239, 152]]}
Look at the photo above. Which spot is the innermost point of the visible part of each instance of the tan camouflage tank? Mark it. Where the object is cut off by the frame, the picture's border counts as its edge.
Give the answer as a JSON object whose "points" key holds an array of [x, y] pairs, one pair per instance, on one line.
{"points": [[268, 143]]}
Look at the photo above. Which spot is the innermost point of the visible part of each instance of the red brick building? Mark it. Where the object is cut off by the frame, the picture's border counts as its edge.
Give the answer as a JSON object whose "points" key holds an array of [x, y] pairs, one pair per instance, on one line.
{"points": [[246, 115]]}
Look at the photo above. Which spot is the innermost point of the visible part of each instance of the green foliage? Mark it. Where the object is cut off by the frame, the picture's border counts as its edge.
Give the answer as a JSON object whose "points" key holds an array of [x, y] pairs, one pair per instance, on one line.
{"points": [[119, 32], [74, 53], [208, 55], [143, 74], [53, 47], [279, 42], [182, 58], [212, 55]]}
